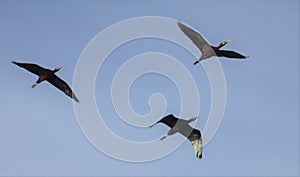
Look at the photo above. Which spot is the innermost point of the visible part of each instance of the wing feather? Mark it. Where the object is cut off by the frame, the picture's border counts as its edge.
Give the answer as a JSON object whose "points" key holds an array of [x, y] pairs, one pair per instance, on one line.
{"points": [[170, 120], [195, 37], [229, 54], [33, 68], [63, 86]]}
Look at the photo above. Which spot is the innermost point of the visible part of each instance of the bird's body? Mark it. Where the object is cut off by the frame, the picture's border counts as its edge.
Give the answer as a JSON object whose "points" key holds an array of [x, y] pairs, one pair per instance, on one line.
{"points": [[206, 49], [182, 126], [48, 75]]}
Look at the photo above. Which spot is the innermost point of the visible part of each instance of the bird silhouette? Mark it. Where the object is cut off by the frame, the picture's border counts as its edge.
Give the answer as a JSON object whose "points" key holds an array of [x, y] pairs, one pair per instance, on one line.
{"points": [[48, 75], [206, 49], [182, 126]]}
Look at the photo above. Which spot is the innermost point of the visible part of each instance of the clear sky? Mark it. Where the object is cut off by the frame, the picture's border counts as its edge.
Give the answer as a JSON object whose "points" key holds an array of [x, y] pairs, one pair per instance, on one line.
{"points": [[259, 133]]}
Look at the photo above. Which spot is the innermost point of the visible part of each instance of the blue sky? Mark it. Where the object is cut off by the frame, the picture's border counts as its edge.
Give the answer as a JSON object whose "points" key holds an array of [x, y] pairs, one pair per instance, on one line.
{"points": [[259, 133]]}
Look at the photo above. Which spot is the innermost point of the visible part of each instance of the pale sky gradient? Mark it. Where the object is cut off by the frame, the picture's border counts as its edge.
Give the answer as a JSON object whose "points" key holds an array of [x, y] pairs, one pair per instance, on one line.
{"points": [[259, 134]]}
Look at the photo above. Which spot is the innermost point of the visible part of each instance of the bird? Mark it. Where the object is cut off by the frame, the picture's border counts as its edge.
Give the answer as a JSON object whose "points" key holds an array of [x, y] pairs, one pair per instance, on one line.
{"points": [[206, 49], [48, 75], [182, 126]]}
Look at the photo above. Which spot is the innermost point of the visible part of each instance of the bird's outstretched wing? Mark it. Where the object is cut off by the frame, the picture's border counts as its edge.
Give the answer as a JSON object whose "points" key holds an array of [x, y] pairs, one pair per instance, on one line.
{"points": [[196, 140], [34, 68], [170, 120], [229, 54], [196, 38], [63, 86]]}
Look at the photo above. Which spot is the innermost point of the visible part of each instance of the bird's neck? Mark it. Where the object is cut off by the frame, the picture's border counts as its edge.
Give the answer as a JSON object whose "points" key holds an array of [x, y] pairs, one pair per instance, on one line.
{"points": [[220, 46]]}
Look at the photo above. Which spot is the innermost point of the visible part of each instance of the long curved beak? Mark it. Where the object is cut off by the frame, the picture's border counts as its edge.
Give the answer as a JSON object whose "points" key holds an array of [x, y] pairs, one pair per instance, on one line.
{"points": [[228, 41]]}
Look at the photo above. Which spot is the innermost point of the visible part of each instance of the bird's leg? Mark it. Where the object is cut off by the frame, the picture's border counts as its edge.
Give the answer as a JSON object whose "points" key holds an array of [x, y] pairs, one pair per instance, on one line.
{"points": [[36, 83], [197, 61], [170, 132], [163, 137], [193, 119], [203, 56], [173, 131]]}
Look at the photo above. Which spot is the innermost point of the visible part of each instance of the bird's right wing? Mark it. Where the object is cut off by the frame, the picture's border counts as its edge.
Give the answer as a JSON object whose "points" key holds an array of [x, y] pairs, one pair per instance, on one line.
{"points": [[196, 38], [230, 54], [34, 68], [63, 86]]}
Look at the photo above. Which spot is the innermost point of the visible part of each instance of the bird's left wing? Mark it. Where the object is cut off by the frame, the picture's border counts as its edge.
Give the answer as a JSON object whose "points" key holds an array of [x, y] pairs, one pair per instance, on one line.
{"points": [[63, 86], [196, 38], [33, 68]]}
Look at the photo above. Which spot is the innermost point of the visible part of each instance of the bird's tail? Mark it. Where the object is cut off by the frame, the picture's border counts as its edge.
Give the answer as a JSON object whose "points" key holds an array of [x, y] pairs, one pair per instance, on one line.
{"points": [[197, 144]]}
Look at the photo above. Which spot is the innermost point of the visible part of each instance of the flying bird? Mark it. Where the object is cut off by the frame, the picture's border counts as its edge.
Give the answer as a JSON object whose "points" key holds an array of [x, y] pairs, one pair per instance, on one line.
{"points": [[48, 75], [206, 49], [182, 126]]}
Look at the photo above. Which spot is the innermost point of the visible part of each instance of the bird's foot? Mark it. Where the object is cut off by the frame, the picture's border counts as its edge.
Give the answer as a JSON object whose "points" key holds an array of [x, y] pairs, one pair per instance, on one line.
{"points": [[162, 138], [35, 84]]}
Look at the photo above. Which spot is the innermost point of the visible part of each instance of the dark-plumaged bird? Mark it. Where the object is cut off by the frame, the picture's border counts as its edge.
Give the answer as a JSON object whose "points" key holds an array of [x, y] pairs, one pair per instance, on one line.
{"points": [[206, 49], [182, 126], [48, 75]]}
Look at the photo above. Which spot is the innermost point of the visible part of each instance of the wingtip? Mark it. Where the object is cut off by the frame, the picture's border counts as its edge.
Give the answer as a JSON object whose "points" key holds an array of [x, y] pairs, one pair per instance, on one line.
{"points": [[200, 157], [75, 99]]}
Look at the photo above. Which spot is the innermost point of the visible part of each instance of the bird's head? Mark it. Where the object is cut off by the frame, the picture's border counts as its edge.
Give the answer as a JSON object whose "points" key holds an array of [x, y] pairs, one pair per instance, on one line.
{"points": [[57, 68], [225, 42]]}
